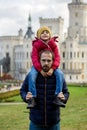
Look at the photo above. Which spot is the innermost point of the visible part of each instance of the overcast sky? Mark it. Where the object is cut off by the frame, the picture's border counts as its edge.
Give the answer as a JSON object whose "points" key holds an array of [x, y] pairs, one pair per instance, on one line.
{"points": [[14, 13]]}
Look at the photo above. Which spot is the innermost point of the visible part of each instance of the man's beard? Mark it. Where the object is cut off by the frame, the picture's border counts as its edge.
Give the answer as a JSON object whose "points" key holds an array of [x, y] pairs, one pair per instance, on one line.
{"points": [[45, 68]]}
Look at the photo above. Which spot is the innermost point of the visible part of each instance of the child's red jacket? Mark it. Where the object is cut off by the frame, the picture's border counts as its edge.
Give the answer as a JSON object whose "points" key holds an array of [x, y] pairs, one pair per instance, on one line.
{"points": [[38, 45]]}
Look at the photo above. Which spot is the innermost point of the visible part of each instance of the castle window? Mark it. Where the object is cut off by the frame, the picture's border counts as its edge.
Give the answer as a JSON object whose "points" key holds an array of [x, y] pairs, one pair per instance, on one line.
{"points": [[76, 23], [76, 14], [63, 54], [63, 66], [82, 54], [27, 54], [70, 77], [70, 54]]}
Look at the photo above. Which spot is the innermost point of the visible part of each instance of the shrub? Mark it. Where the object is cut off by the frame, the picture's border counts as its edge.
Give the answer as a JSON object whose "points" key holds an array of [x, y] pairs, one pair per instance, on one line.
{"points": [[9, 94]]}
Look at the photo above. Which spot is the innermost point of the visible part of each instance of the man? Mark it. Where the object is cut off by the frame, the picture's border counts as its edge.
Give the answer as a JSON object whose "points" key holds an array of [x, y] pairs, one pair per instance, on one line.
{"points": [[45, 115]]}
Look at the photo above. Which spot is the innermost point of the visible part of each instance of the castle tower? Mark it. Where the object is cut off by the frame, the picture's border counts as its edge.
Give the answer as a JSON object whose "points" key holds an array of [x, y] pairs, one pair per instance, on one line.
{"points": [[74, 48], [78, 19], [55, 24]]}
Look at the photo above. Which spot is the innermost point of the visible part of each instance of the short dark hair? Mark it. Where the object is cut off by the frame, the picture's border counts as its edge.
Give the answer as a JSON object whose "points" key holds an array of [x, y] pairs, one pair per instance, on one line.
{"points": [[47, 52]]}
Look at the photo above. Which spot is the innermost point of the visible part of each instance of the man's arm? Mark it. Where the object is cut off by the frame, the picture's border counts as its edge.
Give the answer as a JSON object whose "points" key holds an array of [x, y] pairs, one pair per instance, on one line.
{"points": [[24, 89], [65, 91]]}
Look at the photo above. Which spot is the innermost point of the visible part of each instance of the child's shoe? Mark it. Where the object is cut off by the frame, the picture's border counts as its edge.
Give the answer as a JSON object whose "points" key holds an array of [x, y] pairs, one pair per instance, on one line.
{"points": [[57, 101], [31, 103]]}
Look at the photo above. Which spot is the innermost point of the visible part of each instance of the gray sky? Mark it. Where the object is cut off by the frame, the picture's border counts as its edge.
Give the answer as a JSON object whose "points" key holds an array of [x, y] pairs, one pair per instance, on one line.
{"points": [[14, 13]]}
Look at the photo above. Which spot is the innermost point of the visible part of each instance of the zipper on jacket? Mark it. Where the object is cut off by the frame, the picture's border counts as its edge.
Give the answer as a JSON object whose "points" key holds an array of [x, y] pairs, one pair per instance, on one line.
{"points": [[45, 103]]}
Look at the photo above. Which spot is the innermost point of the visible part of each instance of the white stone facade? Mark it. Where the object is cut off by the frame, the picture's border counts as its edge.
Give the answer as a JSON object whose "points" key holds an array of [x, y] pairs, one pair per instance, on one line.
{"points": [[23, 61], [73, 47], [7, 44]]}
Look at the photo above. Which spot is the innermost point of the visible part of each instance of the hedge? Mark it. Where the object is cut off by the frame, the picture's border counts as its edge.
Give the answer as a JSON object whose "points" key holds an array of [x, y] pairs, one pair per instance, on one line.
{"points": [[9, 94]]}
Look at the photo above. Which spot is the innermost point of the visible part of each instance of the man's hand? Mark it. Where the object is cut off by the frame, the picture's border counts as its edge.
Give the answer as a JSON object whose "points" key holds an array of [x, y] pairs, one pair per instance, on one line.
{"points": [[28, 96], [61, 96], [50, 72]]}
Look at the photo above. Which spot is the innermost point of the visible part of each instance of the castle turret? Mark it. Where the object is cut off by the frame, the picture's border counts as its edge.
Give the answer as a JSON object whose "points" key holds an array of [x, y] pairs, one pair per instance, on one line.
{"points": [[29, 31], [78, 19]]}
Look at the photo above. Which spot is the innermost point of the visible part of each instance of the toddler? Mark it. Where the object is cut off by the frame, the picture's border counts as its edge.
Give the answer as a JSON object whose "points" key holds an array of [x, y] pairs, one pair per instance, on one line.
{"points": [[44, 41]]}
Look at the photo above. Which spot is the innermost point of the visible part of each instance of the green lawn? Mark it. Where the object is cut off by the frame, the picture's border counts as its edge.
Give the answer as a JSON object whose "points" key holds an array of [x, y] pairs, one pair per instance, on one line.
{"points": [[73, 117], [14, 117]]}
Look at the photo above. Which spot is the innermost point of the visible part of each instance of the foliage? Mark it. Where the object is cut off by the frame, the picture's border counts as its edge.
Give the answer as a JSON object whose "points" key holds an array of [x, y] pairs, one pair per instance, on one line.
{"points": [[9, 94], [77, 85], [6, 76]]}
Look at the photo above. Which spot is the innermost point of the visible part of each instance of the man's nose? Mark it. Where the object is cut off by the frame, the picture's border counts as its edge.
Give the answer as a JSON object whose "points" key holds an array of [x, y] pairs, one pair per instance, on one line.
{"points": [[46, 62]]}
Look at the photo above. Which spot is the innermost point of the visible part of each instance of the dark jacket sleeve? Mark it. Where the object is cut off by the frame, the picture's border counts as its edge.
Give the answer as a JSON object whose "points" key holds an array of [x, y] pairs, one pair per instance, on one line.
{"points": [[24, 89], [65, 91]]}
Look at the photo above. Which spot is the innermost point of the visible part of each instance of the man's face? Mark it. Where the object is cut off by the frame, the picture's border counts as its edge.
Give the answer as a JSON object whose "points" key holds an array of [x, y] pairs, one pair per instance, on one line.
{"points": [[46, 61]]}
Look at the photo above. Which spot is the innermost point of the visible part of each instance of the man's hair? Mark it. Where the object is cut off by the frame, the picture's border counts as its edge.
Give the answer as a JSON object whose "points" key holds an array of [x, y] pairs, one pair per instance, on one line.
{"points": [[46, 52]]}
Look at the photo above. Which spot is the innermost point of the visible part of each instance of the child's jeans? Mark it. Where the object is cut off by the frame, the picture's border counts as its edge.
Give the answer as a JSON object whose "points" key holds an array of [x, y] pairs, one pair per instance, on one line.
{"points": [[32, 81], [59, 80]]}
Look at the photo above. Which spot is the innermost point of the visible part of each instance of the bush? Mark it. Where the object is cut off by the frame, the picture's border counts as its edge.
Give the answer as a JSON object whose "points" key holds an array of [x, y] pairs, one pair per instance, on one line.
{"points": [[8, 94]]}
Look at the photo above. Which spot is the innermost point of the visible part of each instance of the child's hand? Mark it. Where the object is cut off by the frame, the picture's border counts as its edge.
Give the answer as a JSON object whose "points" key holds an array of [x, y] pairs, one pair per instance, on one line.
{"points": [[28, 96], [61, 96], [50, 72], [43, 73]]}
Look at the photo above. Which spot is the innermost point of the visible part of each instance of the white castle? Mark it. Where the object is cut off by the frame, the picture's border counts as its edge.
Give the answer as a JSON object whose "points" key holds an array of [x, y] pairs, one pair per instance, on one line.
{"points": [[73, 46]]}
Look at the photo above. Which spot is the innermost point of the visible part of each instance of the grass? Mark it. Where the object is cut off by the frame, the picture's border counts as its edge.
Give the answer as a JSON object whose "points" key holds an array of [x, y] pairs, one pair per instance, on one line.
{"points": [[73, 117], [13, 99], [14, 117]]}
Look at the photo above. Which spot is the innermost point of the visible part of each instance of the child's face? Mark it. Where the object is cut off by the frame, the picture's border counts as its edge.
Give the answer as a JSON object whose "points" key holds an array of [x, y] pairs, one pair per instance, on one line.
{"points": [[45, 36]]}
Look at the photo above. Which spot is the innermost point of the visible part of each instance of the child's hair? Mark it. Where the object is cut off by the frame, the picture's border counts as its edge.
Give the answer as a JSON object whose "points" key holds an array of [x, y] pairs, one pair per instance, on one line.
{"points": [[41, 29]]}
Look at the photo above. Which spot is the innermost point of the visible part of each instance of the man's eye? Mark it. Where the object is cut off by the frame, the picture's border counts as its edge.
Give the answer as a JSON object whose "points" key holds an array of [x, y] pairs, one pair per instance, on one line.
{"points": [[43, 60], [46, 60]]}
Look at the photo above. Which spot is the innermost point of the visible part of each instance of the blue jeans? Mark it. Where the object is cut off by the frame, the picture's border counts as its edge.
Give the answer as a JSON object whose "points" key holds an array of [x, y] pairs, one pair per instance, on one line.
{"points": [[32, 81], [59, 80], [36, 127]]}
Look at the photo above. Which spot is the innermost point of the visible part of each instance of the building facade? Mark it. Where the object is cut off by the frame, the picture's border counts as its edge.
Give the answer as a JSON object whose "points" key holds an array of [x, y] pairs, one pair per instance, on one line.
{"points": [[73, 46], [7, 44], [22, 54]]}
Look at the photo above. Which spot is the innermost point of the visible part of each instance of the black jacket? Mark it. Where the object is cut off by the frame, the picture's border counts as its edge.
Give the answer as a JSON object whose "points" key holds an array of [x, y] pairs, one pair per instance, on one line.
{"points": [[44, 113]]}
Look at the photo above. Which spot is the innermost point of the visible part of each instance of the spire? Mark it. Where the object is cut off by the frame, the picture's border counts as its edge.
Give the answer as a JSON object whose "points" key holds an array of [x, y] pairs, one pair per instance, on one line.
{"points": [[29, 31], [29, 21]]}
